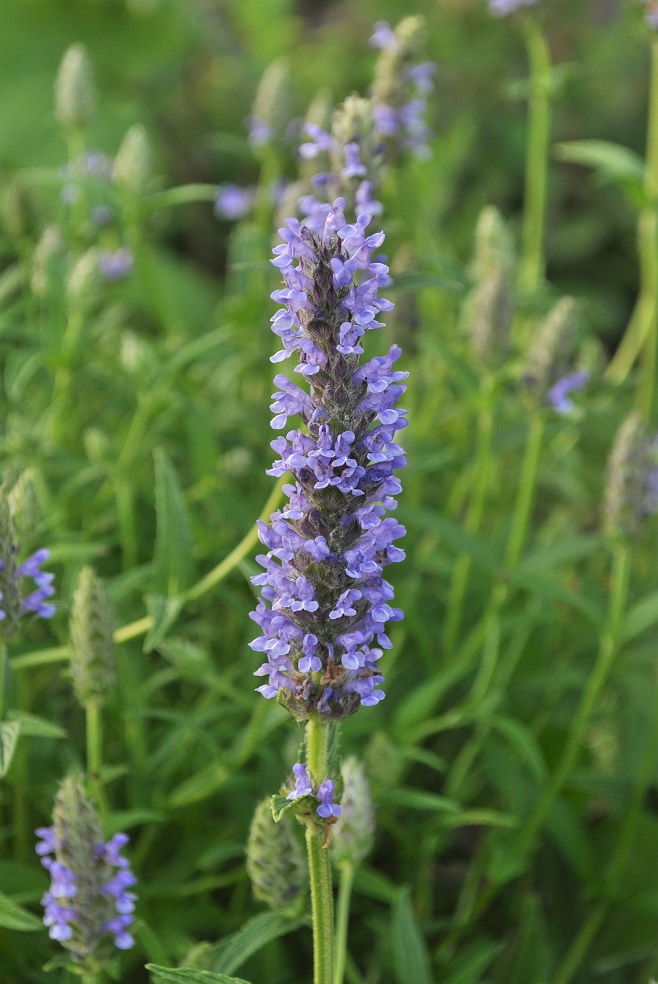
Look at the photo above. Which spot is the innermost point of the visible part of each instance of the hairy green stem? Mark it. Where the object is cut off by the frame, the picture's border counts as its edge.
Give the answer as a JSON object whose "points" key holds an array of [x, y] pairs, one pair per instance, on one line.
{"points": [[319, 862], [531, 270], [342, 918], [642, 329]]}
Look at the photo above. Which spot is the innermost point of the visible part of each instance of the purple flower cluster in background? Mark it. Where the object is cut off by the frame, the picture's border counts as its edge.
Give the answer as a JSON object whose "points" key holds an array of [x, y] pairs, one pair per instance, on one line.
{"points": [[83, 910], [405, 123], [324, 793], [325, 604], [13, 604], [501, 8]]}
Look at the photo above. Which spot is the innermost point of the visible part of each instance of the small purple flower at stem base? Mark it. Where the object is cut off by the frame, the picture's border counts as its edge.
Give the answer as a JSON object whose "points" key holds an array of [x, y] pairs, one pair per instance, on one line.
{"points": [[558, 395], [327, 807], [324, 793]]}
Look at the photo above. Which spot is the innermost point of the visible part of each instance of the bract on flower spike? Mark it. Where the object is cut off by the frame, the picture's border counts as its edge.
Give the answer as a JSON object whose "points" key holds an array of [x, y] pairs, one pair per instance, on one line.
{"points": [[89, 906], [325, 605], [14, 601]]}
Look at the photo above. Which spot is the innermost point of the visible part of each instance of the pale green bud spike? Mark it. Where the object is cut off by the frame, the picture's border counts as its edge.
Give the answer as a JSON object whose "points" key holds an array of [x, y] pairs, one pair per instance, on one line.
{"points": [[23, 505], [133, 164], [383, 761], [550, 355], [272, 101], [353, 122], [92, 645], [320, 109], [75, 94], [389, 84], [627, 479], [489, 312], [354, 834], [84, 278], [494, 246], [275, 861], [18, 211], [48, 256]]}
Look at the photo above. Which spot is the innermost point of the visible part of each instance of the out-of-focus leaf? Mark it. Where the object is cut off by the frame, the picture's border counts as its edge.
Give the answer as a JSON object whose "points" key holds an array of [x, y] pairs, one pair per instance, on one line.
{"points": [[200, 786], [411, 958], [13, 916], [173, 542], [9, 732], [185, 975], [253, 936]]}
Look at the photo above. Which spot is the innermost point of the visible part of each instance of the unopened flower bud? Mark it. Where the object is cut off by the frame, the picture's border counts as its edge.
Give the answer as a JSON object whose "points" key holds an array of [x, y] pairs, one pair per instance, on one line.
{"points": [[14, 604], [275, 861], [19, 213], [494, 247], [75, 95], [353, 836], [631, 492], [271, 108], [92, 655], [550, 357], [133, 164], [489, 316], [84, 278], [23, 504], [47, 260]]}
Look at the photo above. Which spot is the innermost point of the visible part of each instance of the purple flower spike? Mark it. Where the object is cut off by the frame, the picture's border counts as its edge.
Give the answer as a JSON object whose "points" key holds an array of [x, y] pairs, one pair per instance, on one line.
{"points": [[233, 203], [325, 605], [89, 906], [558, 395]]}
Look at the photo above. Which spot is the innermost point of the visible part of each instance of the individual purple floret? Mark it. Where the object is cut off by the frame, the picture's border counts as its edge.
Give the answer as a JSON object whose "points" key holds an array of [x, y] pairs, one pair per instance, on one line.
{"points": [[501, 8], [324, 793], [558, 395], [233, 202], [327, 807], [89, 903], [325, 605], [115, 265]]}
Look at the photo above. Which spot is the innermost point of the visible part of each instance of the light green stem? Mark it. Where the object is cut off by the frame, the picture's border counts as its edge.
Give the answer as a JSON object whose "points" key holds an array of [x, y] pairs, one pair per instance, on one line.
{"points": [[342, 918], [531, 271], [319, 862], [94, 725], [642, 329], [4, 672], [526, 493]]}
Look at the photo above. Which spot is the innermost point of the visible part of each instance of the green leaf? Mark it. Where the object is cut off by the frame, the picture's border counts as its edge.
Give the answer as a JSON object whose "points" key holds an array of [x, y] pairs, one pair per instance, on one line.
{"points": [[466, 967], [418, 800], [641, 617], [612, 163], [254, 935], [523, 742], [13, 916], [173, 542], [411, 958], [200, 786], [164, 612], [36, 727], [9, 732], [185, 975]]}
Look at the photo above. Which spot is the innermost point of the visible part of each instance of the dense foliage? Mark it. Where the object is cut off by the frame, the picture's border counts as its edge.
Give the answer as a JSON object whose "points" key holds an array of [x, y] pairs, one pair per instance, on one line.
{"points": [[514, 761]]}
